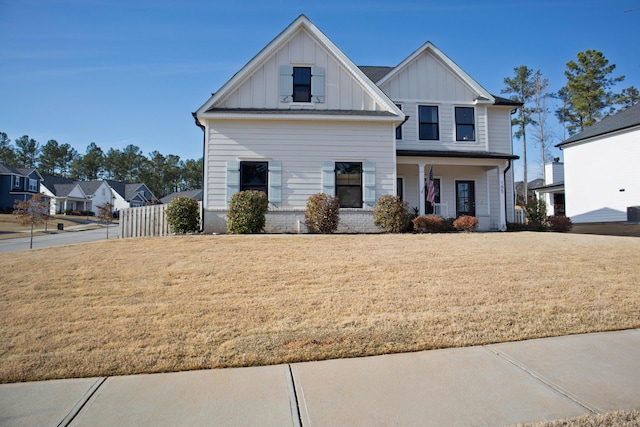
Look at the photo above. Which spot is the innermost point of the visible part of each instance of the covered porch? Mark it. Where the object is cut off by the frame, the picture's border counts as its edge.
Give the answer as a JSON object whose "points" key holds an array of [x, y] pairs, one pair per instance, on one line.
{"points": [[478, 184]]}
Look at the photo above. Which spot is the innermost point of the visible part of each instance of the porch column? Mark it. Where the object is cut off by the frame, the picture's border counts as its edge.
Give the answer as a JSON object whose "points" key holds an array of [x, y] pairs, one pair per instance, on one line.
{"points": [[421, 203], [502, 226]]}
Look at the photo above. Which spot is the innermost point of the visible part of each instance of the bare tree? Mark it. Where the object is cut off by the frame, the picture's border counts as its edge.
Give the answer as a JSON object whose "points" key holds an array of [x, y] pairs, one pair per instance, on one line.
{"points": [[31, 212], [539, 111], [105, 214]]}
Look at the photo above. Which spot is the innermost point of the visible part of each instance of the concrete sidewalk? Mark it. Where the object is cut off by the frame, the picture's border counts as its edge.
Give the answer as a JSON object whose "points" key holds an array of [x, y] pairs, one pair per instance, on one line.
{"points": [[494, 385]]}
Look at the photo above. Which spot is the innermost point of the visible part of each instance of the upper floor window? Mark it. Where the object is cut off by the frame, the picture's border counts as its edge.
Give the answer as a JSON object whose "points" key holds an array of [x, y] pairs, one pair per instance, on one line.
{"points": [[465, 124], [428, 122], [33, 184], [301, 84], [254, 176], [16, 181], [349, 184], [399, 128]]}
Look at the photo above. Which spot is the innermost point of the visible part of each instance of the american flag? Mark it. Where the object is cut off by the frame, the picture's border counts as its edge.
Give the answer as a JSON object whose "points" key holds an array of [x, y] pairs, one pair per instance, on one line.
{"points": [[431, 190]]}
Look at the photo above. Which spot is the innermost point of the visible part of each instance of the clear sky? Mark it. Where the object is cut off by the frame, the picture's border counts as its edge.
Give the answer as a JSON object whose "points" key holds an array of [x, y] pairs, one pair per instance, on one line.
{"points": [[119, 72]]}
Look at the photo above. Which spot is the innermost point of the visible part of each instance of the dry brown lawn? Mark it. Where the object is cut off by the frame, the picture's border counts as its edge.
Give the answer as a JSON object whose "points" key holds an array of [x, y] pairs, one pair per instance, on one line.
{"points": [[167, 304], [610, 419], [10, 226]]}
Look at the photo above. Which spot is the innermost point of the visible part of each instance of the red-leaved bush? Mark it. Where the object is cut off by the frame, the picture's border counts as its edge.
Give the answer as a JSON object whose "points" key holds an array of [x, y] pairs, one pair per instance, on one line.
{"points": [[466, 223], [559, 223]]}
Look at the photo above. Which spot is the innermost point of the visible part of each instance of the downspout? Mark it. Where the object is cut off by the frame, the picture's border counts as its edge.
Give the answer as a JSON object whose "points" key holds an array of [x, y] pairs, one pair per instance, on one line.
{"points": [[504, 179], [204, 141]]}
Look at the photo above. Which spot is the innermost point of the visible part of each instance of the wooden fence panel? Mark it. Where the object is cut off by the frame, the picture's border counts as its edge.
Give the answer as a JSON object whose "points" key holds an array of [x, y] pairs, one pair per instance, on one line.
{"points": [[146, 221]]}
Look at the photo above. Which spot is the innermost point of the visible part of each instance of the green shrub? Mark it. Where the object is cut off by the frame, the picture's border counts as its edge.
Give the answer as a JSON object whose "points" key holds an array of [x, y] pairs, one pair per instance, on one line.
{"points": [[183, 215], [322, 214], [428, 224], [559, 223], [536, 211], [466, 223], [247, 210], [390, 214]]}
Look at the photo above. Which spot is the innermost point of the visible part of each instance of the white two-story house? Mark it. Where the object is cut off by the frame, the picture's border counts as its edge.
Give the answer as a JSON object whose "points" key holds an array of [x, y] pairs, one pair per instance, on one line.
{"points": [[300, 118]]}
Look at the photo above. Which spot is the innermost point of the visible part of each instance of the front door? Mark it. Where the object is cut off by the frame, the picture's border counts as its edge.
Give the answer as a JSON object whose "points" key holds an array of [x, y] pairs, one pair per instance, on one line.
{"points": [[465, 198]]}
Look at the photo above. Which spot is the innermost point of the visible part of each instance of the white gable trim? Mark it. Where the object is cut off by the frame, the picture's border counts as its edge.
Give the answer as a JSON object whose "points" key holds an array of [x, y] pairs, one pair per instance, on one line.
{"points": [[302, 23], [483, 95]]}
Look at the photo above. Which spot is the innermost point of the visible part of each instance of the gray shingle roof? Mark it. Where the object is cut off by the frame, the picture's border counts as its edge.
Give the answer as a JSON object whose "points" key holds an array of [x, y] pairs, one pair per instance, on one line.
{"points": [[4, 169], [89, 187], [196, 194], [58, 185], [621, 120], [375, 73]]}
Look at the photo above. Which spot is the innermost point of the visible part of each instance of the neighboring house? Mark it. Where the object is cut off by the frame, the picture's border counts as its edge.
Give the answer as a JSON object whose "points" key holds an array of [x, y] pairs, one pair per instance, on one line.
{"points": [[17, 184], [602, 169], [552, 190], [64, 194], [519, 188], [126, 195], [196, 194], [300, 118]]}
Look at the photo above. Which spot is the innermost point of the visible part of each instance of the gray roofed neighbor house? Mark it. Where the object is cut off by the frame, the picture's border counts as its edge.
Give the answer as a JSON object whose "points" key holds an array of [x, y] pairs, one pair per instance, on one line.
{"points": [[89, 187], [375, 73], [196, 194], [621, 120], [58, 185], [4, 169]]}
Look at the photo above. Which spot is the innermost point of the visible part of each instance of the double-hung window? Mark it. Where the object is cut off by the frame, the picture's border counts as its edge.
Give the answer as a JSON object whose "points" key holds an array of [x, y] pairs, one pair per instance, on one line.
{"points": [[428, 123], [33, 184], [301, 84], [399, 128], [254, 176], [16, 181], [349, 184], [465, 124]]}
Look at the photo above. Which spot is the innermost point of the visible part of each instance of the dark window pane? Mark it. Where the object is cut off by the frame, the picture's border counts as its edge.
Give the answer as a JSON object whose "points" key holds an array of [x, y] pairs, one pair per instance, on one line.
{"points": [[254, 176], [349, 184], [399, 128], [428, 122], [301, 84], [350, 197], [465, 124]]}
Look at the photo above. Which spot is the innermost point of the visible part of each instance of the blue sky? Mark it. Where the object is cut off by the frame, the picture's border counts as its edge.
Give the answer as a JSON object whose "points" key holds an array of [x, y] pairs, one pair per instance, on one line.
{"points": [[119, 72]]}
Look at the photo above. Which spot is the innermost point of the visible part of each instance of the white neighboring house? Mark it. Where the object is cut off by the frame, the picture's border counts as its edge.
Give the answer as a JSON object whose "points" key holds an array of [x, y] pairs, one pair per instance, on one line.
{"points": [[64, 194], [602, 169], [98, 192], [552, 192], [127, 195], [300, 118]]}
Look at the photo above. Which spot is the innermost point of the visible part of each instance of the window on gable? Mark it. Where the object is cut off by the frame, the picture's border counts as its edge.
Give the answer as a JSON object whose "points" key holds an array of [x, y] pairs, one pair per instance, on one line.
{"points": [[465, 124], [16, 181], [33, 184], [349, 184], [428, 122], [301, 84], [399, 128], [254, 176]]}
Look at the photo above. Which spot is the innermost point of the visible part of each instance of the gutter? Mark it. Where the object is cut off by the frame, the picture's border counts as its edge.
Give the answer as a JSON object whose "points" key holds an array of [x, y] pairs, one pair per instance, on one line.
{"points": [[204, 141], [504, 179]]}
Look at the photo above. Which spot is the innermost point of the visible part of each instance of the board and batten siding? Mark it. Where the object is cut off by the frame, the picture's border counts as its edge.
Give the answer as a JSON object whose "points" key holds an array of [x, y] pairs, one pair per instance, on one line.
{"points": [[602, 178], [301, 147], [261, 89]]}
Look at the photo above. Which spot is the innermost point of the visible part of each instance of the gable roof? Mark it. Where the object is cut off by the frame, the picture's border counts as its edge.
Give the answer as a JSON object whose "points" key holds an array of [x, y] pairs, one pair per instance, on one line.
{"points": [[10, 170], [90, 187], [196, 194], [483, 96], [621, 120], [301, 23]]}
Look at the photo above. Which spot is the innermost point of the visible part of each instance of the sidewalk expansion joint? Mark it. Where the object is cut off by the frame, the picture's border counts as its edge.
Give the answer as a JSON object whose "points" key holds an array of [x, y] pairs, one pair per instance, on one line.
{"points": [[540, 378], [82, 402], [293, 399]]}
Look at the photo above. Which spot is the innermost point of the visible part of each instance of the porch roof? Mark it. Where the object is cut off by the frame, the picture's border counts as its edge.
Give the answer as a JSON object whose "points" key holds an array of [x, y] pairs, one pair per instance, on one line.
{"points": [[456, 154]]}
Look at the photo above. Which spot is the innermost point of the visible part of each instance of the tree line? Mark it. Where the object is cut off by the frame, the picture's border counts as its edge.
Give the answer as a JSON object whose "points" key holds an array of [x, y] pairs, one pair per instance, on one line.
{"points": [[586, 99], [162, 174]]}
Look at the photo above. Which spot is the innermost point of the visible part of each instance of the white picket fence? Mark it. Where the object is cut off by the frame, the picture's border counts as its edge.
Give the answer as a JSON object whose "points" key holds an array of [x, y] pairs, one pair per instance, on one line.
{"points": [[146, 221]]}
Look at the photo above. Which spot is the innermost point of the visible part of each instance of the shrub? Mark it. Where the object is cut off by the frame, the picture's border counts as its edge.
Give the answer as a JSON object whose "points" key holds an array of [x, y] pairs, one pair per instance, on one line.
{"points": [[183, 215], [559, 223], [428, 224], [390, 214], [67, 211], [514, 226], [466, 223], [323, 213], [247, 210], [536, 211]]}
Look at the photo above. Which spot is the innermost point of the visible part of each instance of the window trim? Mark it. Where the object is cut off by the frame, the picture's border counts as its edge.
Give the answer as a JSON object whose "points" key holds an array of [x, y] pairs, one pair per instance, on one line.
{"points": [[360, 185], [16, 181], [437, 123], [473, 125], [33, 184]]}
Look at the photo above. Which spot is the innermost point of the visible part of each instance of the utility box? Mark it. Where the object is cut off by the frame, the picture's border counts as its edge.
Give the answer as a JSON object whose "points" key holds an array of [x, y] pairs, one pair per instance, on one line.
{"points": [[633, 214], [60, 226]]}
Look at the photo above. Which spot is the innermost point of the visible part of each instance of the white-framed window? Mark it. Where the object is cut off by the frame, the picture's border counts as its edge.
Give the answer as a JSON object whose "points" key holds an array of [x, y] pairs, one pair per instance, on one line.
{"points": [[465, 124], [428, 123], [399, 128], [16, 181], [302, 84], [33, 184]]}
